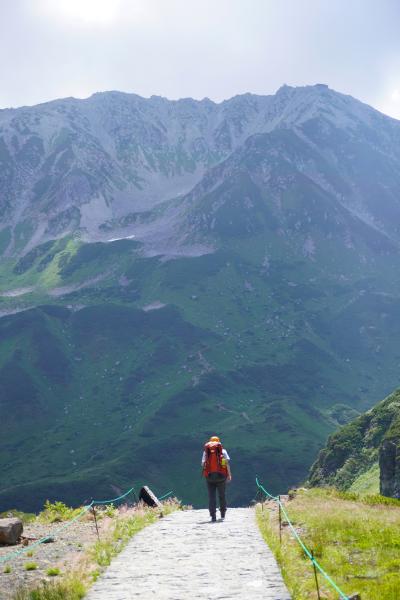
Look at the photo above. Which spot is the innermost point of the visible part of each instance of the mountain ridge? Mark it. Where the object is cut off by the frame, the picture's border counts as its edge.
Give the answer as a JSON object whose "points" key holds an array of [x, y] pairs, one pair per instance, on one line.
{"points": [[114, 154]]}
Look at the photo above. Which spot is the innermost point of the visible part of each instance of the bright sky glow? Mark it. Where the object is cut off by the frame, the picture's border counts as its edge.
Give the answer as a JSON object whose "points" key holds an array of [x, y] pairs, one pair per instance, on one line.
{"points": [[215, 48], [100, 12], [396, 96]]}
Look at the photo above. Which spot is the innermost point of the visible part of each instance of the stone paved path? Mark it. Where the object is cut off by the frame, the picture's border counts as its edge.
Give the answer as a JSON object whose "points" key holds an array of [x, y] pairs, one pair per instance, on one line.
{"points": [[185, 557]]}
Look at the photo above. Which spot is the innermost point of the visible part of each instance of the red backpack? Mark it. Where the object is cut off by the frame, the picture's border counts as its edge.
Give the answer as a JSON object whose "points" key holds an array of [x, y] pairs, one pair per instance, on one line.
{"points": [[214, 459]]}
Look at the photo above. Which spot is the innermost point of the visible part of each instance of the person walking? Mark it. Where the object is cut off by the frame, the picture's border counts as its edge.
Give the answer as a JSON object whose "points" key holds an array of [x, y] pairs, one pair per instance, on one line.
{"points": [[217, 471]]}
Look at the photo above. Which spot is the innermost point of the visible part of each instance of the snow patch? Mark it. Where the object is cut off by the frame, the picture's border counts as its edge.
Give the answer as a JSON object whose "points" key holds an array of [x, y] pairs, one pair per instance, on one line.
{"points": [[16, 292], [153, 306], [126, 237]]}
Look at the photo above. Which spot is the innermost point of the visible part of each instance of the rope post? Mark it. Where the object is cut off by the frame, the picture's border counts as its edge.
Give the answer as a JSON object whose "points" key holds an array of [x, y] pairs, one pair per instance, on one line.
{"points": [[280, 520], [95, 522], [260, 497], [315, 575]]}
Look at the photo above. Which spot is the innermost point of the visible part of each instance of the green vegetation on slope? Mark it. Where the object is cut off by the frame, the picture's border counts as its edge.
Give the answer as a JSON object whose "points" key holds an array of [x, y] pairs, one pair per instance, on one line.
{"points": [[350, 458], [125, 364], [358, 544], [367, 483]]}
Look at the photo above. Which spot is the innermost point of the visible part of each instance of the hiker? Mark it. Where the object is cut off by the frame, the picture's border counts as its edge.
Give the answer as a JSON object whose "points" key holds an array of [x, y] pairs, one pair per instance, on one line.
{"points": [[217, 471]]}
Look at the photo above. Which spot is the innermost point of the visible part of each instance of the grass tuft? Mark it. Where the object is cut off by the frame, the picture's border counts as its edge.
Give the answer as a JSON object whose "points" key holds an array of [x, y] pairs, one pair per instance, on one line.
{"points": [[70, 589], [55, 512], [30, 566]]}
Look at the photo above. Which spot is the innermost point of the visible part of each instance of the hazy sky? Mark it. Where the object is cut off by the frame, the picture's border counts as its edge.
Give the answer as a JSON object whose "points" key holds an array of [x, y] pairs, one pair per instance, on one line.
{"points": [[216, 48]]}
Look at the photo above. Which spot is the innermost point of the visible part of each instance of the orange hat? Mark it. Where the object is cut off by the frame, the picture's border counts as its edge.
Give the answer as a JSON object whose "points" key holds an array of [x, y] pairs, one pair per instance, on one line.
{"points": [[214, 438]]}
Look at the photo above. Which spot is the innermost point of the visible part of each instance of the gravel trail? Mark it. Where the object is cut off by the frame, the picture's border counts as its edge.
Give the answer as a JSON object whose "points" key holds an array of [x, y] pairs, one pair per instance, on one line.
{"points": [[67, 549], [185, 557]]}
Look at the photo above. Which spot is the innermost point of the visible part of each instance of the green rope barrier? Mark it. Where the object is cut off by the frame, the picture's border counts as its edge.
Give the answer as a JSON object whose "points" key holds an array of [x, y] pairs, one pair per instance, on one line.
{"points": [[114, 499], [42, 540], [303, 546], [166, 495], [46, 538]]}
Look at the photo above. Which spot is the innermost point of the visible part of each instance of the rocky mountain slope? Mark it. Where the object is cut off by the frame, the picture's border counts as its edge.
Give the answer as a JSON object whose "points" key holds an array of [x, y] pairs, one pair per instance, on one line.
{"points": [[175, 269], [364, 453], [100, 165]]}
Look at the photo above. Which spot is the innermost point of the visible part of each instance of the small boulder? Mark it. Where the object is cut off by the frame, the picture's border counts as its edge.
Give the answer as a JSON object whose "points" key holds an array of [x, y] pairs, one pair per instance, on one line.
{"points": [[147, 496], [10, 531]]}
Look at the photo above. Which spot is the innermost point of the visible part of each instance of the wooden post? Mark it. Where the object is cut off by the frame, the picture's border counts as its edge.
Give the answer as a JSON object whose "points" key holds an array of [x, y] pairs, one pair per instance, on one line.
{"points": [[95, 522], [280, 520], [315, 575]]}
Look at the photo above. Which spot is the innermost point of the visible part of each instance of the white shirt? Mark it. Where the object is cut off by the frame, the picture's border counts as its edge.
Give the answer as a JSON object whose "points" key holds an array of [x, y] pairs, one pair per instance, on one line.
{"points": [[224, 454]]}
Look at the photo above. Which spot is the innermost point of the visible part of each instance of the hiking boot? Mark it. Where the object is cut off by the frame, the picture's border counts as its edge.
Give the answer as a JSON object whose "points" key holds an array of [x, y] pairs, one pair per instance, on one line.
{"points": [[213, 519], [223, 514]]}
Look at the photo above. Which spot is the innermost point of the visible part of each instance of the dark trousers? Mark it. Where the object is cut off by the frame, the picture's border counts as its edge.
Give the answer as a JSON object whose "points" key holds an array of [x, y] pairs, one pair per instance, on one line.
{"points": [[212, 497]]}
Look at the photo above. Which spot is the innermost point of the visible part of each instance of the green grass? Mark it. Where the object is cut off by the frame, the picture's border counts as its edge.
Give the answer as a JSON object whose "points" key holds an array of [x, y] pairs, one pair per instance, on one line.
{"points": [[7, 569], [30, 566], [69, 589], [367, 483], [53, 572], [55, 512], [356, 542]]}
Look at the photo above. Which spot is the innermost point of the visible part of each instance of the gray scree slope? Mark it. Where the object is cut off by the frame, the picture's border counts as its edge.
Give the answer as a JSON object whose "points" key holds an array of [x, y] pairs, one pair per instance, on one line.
{"points": [[184, 557]]}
